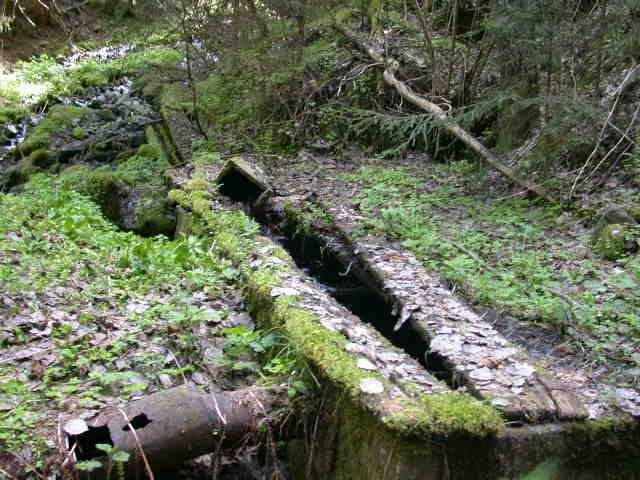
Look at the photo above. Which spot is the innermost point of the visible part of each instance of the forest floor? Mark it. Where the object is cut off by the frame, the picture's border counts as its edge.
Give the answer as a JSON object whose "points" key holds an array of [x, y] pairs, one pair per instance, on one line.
{"points": [[91, 315]]}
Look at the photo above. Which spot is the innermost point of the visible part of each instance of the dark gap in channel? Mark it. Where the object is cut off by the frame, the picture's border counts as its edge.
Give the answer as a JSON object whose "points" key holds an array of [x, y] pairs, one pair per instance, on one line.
{"points": [[312, 256], [239, 188], [319, 262]]}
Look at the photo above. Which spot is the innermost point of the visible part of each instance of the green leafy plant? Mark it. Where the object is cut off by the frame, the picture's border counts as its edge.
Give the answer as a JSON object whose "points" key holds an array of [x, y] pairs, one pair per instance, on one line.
{"points": [[115, 459]]}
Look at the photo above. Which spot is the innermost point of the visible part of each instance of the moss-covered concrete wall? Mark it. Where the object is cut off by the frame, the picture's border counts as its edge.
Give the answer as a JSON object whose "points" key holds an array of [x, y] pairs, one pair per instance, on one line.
{"points": [[401, 433]]}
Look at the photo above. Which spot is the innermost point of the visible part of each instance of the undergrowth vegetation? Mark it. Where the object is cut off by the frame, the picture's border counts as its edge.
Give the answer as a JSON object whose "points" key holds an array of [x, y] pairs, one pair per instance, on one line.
{"points": [[80, 298]]}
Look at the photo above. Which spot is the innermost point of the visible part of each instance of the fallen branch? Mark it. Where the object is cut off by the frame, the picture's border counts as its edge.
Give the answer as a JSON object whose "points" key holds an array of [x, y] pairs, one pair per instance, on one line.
{"points": [[391, 66]]}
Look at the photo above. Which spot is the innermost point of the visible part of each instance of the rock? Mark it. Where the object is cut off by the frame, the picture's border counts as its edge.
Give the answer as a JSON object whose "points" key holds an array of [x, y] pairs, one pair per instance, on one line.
{"points": [[481, 375], [43, 158], [365, 364], [165, 380], [243, 320], [581, 252], [75, 426], [153, 214], [371, 385], [610, 242], [11, 131], [611, 216], [611, 236]]}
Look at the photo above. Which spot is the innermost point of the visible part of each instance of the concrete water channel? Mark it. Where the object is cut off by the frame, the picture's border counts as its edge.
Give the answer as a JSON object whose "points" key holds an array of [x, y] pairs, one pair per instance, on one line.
{"points": [[417, 385]]}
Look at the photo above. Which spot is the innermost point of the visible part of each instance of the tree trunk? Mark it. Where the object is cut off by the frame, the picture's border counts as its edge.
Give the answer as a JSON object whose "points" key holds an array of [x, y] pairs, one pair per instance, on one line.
{"points": [[440, 115], [176, 425]]}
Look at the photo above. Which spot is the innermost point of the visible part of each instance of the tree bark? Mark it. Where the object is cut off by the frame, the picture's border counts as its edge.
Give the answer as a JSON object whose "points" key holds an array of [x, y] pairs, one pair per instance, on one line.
{"points": [[178, 424], [391, 66]]}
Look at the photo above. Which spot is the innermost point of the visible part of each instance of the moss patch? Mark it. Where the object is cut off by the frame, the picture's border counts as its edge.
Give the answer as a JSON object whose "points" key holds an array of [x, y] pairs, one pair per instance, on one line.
{"points": [[79, 133], [610, 242], [59, 118], [446, 414], [322, 347], [367, 450]]}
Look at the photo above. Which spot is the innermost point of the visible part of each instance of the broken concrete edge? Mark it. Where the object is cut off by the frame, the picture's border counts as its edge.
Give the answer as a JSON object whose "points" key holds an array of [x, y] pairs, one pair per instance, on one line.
{"points": [[249, 171], [439, 415]]}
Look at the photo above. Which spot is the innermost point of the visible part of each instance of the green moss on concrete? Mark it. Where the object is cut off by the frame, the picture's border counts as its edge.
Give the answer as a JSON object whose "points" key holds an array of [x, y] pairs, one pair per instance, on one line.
{"points": [[422, 416], [548, 470], [323, 347], [59, 118], [367, 450], [616, 439], [446, 414]]}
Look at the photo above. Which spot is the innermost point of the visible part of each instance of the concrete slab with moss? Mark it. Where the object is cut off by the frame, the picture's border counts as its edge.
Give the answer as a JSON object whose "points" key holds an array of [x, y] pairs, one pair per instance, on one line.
{"points": [[376, 424]]}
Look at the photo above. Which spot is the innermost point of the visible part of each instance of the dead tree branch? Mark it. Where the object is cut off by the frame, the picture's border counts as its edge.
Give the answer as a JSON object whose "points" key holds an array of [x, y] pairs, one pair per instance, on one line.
{"points": [[391, 66]]}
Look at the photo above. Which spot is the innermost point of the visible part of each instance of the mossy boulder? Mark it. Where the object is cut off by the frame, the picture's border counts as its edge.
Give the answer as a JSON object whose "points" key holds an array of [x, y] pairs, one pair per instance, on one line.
{"points": [[611, 215], [610, 242], [101, 185], [613, 232], [18, 174], [43, 158], [134, 195], [58, 119], [154, 214], [38, 161]]}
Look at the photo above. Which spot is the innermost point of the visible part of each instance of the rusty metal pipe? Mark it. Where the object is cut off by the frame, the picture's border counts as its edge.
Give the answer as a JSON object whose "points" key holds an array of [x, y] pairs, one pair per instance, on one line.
{"points": [[178, 424]]}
